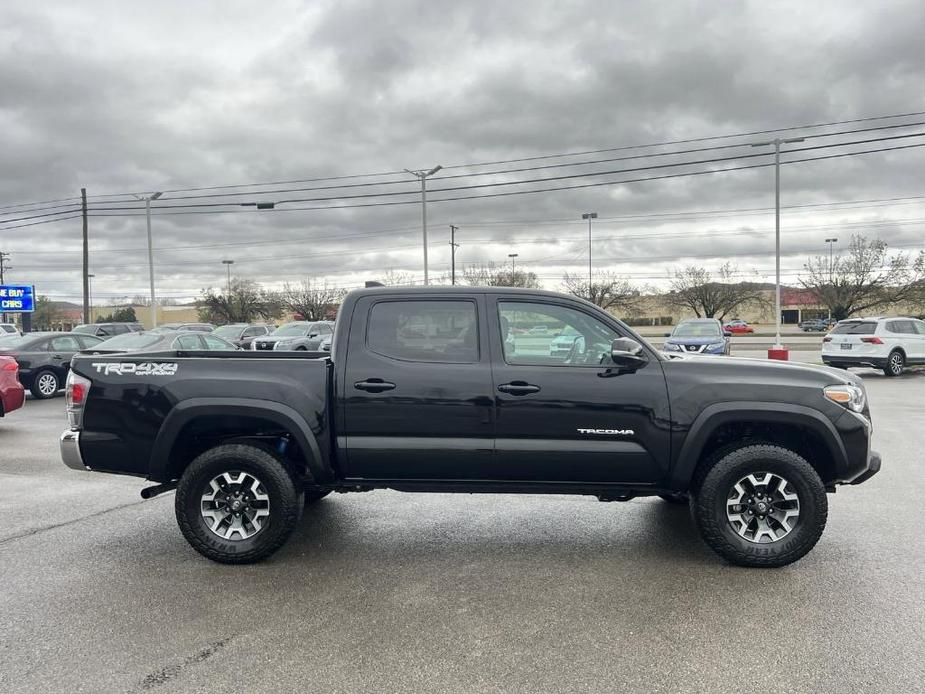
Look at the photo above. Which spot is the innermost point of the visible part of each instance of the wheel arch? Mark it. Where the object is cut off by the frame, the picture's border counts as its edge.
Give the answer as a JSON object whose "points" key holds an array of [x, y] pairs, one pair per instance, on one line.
{"points": [[231, 419], [801, 429]]}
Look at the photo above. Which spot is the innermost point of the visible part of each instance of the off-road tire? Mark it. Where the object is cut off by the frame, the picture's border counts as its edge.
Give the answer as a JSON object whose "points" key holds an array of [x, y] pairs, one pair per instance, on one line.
{"points": [[679, 499], [37, 379], [716, 477], [314, 496], [895, 363], [285, 501]]}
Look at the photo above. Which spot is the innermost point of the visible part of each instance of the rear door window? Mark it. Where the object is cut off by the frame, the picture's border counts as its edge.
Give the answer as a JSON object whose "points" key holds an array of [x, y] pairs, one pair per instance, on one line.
{"points": [[855, 328], [65, 343], [428, 331], [188, 342]]}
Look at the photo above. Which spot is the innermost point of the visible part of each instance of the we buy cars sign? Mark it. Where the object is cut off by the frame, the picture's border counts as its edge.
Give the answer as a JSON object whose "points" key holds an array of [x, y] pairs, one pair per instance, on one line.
{"points": [[17, 298]]}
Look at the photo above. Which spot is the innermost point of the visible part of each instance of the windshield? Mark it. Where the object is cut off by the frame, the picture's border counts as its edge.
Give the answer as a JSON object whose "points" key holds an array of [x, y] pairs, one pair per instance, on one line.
{"points": [[87, 328], [292, 329], [130, 341], [697, 330], [228, 331], [858, 328]]}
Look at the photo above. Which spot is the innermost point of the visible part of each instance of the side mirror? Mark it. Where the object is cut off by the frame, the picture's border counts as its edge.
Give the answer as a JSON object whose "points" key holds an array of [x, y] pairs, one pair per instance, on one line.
{"points": [[667, 334], [726, 333], [627, 353], [313, 334]]}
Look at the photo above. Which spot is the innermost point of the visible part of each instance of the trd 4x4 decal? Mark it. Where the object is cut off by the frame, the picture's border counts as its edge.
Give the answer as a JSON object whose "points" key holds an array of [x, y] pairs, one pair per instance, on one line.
{"points": [[143, 369]]}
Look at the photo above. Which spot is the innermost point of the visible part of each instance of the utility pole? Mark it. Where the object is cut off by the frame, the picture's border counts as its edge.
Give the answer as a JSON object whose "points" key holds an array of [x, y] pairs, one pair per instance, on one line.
{"points": [[589, 216], [86, 252], [423, 176], [3, 258], [147, 201], [453, 247], [90, 296], [777, 142]]}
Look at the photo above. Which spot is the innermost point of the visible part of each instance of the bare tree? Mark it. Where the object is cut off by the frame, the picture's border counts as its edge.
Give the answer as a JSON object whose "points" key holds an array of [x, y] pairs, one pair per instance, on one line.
{"points": [[608, 291], [492, 275], [394, 278], [245, 302], [694, 288], [311, 300], [864, 278]]}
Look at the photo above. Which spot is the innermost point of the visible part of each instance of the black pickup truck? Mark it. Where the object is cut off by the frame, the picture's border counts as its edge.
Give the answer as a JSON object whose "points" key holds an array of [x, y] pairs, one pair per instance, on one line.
{"points": [[454, 390]]}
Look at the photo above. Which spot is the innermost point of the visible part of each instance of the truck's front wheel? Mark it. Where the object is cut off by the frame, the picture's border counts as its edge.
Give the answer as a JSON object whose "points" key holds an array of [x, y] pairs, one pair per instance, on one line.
{"points": [[237, 504], [760, 505]]}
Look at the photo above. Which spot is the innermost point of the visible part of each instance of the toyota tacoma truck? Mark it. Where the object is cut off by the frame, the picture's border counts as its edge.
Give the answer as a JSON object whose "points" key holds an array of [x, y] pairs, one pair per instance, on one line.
{"points": [[448, 390]]}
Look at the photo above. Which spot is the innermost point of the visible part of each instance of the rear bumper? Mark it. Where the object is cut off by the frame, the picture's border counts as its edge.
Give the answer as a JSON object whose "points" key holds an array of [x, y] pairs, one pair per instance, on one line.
{"points": [[11, 398], [69, 444], [876, 362]]}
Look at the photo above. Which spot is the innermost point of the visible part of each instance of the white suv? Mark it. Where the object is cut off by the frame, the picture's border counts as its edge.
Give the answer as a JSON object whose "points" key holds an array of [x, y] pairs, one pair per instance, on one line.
{"points": [[888, 343]]}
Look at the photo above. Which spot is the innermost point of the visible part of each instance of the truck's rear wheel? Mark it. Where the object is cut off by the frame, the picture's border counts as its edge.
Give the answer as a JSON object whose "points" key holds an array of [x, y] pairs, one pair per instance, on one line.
{"points": [[760, 505], [237, 504]]}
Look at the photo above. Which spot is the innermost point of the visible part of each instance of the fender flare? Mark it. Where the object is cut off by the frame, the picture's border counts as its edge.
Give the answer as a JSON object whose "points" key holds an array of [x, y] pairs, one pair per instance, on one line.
{"points": [[773, 413], [188, 410]]}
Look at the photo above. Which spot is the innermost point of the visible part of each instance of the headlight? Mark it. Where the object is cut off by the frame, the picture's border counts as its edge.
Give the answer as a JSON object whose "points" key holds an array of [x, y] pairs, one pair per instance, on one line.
{"points": [[671, 347], [717, 345], [850, 396]]}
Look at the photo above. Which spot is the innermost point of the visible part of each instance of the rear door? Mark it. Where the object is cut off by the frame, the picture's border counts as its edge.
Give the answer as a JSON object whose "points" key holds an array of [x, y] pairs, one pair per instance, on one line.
{"points": [[61, 349], [416, 395], [565, 414]]}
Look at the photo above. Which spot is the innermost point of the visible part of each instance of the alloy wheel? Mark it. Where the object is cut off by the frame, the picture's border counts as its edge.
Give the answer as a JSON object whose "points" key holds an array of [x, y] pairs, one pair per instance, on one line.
{"points": [[762, 507], [235, 503], [48, 384]]}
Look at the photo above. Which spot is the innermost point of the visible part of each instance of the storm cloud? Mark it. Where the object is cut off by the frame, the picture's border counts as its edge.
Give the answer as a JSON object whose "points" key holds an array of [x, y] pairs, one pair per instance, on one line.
{"points": [[123, 98]]}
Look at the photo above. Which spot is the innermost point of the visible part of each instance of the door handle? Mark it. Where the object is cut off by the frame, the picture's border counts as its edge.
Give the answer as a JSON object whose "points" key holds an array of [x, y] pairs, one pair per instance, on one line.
{"points": [[56, 356], [373, 385], [518, 388]]}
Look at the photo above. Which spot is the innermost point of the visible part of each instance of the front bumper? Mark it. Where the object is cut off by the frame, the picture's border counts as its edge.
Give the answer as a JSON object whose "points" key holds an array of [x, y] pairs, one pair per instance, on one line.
{"points": [[873, 467], [69, 444]]}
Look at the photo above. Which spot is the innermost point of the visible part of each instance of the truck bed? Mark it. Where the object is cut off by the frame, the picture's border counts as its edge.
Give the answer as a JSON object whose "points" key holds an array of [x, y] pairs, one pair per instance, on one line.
{"points": [[140, 403]]}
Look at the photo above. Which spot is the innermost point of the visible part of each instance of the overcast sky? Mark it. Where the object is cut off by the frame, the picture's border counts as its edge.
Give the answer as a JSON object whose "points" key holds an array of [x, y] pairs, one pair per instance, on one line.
{"points": [[120, 97]]}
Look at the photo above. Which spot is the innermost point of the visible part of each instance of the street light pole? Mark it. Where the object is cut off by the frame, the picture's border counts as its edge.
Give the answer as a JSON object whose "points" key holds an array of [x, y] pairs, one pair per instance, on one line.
{"points": [[147, 200], [423, 176], [777, 142], [512, 256], [228, 264], [831, 265], [589, 216]]}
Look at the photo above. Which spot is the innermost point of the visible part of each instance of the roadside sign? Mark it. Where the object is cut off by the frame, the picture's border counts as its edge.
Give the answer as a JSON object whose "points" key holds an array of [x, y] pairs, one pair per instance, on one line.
{"points": [[17, 298]]}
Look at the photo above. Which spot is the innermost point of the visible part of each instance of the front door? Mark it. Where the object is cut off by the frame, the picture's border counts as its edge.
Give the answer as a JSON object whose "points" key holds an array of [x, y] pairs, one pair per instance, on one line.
{"points": [[563, 412], [416, 390]]}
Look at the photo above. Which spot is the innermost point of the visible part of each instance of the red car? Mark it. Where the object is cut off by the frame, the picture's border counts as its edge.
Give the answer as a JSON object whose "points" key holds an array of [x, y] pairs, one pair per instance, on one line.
{"points": [[12, 393], [738, 327]]}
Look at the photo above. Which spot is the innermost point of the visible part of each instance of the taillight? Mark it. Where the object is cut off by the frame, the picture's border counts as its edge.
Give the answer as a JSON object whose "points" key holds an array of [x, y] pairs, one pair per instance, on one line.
{"points": [[10, 366], [872, 340], [826, 339], [75, 397]]}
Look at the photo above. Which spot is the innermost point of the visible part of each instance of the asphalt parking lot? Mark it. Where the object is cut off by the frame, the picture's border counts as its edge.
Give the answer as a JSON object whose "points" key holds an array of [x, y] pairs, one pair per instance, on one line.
{"points": [[389, 592]]}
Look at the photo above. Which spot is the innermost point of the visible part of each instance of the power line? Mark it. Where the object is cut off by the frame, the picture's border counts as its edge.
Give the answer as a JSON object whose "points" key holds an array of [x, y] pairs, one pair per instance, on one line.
{"points": [[505, 161], [562, 178]]}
